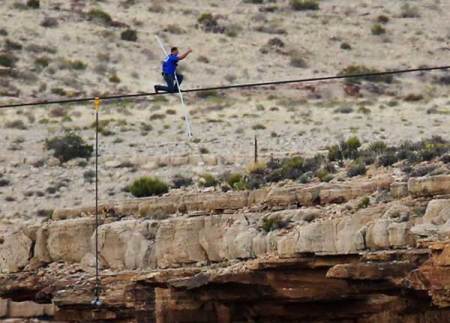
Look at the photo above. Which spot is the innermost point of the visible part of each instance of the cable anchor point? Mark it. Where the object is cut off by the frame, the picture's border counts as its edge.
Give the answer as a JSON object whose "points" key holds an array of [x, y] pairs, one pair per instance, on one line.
{"points": [[97, 102]]}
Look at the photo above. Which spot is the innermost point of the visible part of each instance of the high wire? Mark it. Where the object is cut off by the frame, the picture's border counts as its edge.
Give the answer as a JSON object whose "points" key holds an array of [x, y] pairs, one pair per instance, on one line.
{"points": [[226, 87]]}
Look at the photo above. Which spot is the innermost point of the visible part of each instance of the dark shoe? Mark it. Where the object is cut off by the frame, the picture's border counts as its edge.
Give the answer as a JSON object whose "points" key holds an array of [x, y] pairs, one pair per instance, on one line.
{"points": [[156, 89]]}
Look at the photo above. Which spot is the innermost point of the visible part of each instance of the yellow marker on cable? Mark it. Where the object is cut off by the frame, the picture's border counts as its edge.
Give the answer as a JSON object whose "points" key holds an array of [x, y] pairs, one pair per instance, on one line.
{"points": [[97, 104]]}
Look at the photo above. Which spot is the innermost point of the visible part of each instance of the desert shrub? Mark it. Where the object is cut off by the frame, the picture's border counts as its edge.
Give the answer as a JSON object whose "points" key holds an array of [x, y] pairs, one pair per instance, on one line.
{"points": [[233, 30], [69, 146], [377, 147], [157, 116], [16, 124], [203, 150], [324, 175], [236, 181], [129, 35], [34, 4], [300, 5], [4, 182], [207, 94], [387, 159], [58, 112], [445, 159], [114, 78], [179, 181], [382, 19], [378, 29], [253, 1], [346, 46], [360, 69], [258, 126], [207, 180], [297, 60], [42, 61], [344, 150], [356, 168], [49, 22], [422, 171], [89, 176], [272, 223], [58, 91], [409, 11], [148, 186], [344, 110], [7, 60], [12, 45], [364, 203], [210, 23], [174, 29], [156, 8], [100, 16]]}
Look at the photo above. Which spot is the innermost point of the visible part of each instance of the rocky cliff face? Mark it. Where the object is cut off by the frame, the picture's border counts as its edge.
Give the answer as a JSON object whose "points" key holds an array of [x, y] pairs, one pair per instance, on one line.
{"points": [[366, 250]]}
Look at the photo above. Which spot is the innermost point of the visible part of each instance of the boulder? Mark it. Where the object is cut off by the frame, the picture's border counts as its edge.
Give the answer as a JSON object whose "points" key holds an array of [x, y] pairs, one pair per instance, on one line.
{"points": [[15, 249], [177, 242], [437, 212], [68, 240], [127, 244], [429, 185]]}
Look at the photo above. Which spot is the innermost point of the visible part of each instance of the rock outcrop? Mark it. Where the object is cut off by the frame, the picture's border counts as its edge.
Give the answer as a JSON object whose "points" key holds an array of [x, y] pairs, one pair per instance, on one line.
{"points": [[300, 253]]}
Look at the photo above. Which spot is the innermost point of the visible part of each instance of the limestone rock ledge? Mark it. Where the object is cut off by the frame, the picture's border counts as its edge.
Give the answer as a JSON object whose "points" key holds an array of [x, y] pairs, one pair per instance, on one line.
{"points": [[299, 253]]}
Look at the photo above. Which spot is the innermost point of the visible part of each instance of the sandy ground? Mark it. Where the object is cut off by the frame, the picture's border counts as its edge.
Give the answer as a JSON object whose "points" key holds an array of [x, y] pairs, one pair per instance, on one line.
{"points": [[286, 119]]}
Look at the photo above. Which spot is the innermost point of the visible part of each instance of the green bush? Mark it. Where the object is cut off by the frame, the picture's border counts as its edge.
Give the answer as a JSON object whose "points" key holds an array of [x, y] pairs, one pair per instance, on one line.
{"points": [[364, 203], [356, 168], [12, 45], [42, 61], [68, 147], [210, 23], [387, 159], [346, 46], [129, 35], [207, 180], [344, 150], [378, 29], [324, 175], [298, 60], [100, 16], [382, 19], [179, 181], [16, 124], [148, 186], [300, 5], [377, 147], [271, 223], [236, 181], [34, 4], [7, 60]]}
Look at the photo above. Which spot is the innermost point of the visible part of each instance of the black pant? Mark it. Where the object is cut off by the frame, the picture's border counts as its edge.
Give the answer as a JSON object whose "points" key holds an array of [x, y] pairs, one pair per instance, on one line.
{"points": [[171, 83]]}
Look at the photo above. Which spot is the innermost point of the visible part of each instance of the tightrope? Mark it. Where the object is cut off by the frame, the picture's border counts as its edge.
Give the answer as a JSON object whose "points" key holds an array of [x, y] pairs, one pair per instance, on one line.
{"points": [[226, 87]]}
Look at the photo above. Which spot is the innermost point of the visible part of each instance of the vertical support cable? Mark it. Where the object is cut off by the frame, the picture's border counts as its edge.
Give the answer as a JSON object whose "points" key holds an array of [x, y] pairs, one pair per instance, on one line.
{"points": [[256, 149], [96, 300]]}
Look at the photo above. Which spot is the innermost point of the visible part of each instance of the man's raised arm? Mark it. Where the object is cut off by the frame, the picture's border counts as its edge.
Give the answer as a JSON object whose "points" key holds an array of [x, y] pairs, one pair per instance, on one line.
{"points": [[183, 56]]}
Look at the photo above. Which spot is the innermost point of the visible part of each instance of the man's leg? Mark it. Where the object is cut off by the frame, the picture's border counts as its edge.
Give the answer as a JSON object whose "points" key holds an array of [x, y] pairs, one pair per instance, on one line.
{"points": [[162, 88], [180, 80], [170, 80]]}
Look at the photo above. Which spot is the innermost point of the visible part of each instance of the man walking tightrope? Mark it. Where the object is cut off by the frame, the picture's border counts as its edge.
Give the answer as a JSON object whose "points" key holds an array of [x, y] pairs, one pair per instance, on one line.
{"points": [[169, 70]]}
